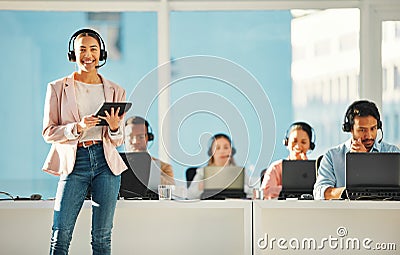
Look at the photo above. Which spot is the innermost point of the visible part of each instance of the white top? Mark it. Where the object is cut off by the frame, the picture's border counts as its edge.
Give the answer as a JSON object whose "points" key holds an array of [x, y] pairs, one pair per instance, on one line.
{"points": [[196, 187], [89, 97]]}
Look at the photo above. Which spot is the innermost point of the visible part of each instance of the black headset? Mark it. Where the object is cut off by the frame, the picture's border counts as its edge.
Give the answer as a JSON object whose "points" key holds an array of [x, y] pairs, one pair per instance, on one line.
{"points": [[215, 137], [89, 32], [137, 120], [360, 108], [304, 126]]}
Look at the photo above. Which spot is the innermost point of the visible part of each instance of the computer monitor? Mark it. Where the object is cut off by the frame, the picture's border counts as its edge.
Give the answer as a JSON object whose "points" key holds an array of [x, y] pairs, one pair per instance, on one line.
{"points": [[134, 180], [372, 175], [223, 182], [298, 178]]}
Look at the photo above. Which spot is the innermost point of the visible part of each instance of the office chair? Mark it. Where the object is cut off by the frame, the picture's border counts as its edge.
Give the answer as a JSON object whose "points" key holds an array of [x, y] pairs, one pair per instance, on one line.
{"points": [[190, 173], [317, 163], [262, 176]]}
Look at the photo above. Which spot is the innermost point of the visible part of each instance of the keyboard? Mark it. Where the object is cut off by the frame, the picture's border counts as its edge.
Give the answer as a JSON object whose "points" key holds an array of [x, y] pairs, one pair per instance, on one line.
{"points": [[295, 195], [151, 195], [224, 194], [373, 195]]}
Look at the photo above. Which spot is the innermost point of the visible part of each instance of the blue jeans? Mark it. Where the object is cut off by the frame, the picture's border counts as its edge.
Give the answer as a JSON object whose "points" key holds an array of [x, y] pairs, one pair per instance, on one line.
{"points": [[90, 171]]}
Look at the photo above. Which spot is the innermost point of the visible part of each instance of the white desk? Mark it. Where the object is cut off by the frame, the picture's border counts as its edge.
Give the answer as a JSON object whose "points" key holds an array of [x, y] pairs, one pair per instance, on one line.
{"points": [[335, 226], [214, 227], [140, 227]]}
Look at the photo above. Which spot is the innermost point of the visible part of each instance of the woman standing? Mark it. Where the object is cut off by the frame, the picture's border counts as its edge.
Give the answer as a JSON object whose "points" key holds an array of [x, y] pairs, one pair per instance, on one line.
{"points": [[83, 154]]}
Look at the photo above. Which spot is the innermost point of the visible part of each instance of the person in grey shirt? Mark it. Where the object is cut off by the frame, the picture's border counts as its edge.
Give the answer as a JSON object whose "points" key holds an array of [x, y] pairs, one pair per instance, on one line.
{"points": [[362, 120]]}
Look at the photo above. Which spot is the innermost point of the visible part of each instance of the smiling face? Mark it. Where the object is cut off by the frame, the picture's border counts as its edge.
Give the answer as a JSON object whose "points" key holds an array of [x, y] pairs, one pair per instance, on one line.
{"points": [[298, 144], [87, 52]]}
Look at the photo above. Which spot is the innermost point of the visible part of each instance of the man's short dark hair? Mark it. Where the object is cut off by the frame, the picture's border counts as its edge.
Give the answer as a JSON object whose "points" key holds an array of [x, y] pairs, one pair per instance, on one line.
{"points": [[361, 108]]}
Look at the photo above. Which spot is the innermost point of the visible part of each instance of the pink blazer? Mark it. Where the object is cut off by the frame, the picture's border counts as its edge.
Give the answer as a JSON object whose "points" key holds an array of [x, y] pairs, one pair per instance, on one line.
{"points": [[60, 109]]}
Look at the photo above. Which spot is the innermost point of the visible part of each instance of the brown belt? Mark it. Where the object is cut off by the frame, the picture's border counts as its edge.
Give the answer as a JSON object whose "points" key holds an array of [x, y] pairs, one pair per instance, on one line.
{"points": [[86, 144]]}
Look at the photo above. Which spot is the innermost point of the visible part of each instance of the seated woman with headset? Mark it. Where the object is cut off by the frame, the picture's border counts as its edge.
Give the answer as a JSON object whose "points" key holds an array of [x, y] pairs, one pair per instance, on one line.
{"points": [[298, 140], [221, 154]]}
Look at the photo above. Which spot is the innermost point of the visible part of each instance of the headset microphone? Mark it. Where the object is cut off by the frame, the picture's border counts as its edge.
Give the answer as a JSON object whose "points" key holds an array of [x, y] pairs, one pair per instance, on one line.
{"points": [[98, 66], [380, 140]]}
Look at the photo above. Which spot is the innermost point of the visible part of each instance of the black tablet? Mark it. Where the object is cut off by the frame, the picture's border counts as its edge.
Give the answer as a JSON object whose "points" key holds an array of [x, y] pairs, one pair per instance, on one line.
{"points": [[124, 107]]}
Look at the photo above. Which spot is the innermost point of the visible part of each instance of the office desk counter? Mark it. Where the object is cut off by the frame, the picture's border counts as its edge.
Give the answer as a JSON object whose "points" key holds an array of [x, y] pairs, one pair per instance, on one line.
{"points": [[216, 227], [140, 227], [326, 227]]}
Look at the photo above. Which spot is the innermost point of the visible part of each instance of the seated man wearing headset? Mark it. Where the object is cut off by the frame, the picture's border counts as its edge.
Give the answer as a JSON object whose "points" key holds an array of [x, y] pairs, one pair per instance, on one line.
{"points": [[362, 120], [137, 136]]}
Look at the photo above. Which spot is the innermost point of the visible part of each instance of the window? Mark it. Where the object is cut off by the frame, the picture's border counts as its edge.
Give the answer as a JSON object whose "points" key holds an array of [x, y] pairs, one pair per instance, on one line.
{"points": [[385, 80], [348, 42], [391, 81], [396, 129], [335, 44], [397, 29], [108, 24], [396, 77], [322, 48]]}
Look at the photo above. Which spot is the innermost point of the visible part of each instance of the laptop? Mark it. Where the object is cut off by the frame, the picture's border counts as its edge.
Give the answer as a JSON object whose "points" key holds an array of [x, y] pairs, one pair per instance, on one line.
{"points": [[373, 176], [298, 179], [134, 181], [223, 182], [155, 175]]}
